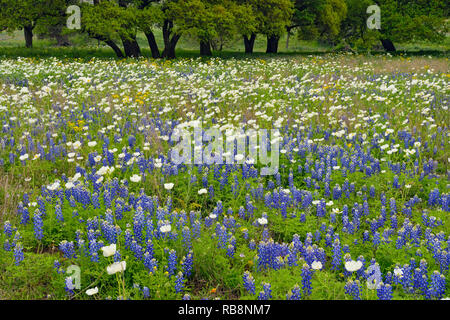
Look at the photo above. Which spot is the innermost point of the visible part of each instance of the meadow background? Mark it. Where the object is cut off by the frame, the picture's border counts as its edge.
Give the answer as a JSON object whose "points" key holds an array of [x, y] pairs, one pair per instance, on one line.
{"points": [[361, 193]]}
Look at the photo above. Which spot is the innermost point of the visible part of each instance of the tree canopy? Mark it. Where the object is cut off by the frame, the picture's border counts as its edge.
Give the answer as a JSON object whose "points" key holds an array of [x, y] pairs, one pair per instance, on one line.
{"points": [[217, 23]]}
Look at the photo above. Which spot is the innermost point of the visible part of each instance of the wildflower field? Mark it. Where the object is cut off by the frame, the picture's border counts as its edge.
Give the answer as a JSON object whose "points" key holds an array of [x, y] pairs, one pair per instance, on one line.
{"points": [[93, 207]]}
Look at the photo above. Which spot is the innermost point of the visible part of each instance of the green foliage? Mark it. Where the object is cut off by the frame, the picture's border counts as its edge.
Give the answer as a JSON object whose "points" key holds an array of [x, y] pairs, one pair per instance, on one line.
{"points": [[16, 14], [149, 17], [108, 20], [320, 19], [219, 22], [401, 21], [245, 19], [193, 18], [272, 16]]}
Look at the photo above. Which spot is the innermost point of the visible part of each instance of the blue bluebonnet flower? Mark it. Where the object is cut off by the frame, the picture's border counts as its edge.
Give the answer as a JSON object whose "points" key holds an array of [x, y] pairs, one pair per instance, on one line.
{"points": [[395, 182], [138, 224], [59, 214], [137, 249], [420, 281], [150, 263], [230, 251], [434, 198], [337, 256], [95, 201], [306, 274], [187, 263], [118, 211], [7, 229], [57, 266], [222, 234], [249, 282], [18, 254], [145, 292], [265, 236], [384, 292], [302, 217], [353, 288], [186, 238], [393, 206], [292, 255], [24, 216], [376, 240], [172, 262], [266, 254], [337, 192], [437, 286], [407, 278], [128, 238], [394, 222], [67, 248], [38, 225], [294, 294], [372, 191], [7, 245], [179, 282], [69, 286], [266, 294], [252, 244]]}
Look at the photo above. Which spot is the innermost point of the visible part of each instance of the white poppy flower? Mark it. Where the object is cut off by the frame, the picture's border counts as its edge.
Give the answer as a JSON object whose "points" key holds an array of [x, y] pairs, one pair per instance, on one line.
{"points": [[168, 186], [398, 272], [109, 251], [92, 291], [352, 266], [135, 178], [316, 265], [53, 186], [116, 267], [165, 228], [76, 144], [69, 185], [262, 221]]}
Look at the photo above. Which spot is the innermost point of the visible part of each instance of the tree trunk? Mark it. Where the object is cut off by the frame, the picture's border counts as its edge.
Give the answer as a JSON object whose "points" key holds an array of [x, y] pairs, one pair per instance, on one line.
{"points": [[131, 48], [169, 43], [169, 50], [116, 48], [272, 44], [388, 45], [249, 43], [205, 48], [153, 45], [130, 45], [28, 33]]}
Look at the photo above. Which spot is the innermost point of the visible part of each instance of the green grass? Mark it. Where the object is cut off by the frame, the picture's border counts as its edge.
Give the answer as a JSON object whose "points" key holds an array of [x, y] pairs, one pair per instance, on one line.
{"points": [[12, 45]]}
